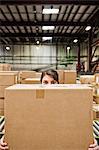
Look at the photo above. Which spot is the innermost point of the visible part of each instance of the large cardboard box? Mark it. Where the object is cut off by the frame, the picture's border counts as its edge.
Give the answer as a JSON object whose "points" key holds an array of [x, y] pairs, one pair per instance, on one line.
{"points": [[87, 79], [69, 77], [8, 79], [61, 76], [1, 106], [31, 81], [56, 117], [27, 74]]}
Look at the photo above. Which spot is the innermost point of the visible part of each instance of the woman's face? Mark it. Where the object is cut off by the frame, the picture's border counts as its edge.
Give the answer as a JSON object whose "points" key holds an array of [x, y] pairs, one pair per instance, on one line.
{"points": [[48, 80]]}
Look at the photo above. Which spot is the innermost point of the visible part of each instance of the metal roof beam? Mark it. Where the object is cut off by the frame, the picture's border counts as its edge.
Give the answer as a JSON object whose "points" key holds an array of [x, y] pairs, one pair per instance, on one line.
{"points": [[47, 23], [21, 35], [43, 2]]}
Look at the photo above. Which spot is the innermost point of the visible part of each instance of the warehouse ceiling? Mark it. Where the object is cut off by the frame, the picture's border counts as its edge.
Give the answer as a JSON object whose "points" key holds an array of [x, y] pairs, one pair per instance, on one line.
{"points": [[22, 21]]}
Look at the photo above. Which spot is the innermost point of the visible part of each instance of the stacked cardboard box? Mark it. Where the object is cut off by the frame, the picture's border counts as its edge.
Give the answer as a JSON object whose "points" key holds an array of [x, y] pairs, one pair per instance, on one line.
{"points": [[69, 76], [56, 117], [17, 73], [6, 79], [5, 67], [96, 111], [38, 74], [87, 79], [61, 76], [26, 74]]}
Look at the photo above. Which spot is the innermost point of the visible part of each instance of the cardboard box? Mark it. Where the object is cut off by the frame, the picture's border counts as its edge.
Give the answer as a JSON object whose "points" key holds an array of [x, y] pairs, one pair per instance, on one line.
{"points": [[8, 79], [96, 111], [56, 117], [38, 75], [87, 79], [31, 81], [61, 76], [27, 74], [17, 73], [5, 67], [2, 90], [1, 106], [69, 77]]}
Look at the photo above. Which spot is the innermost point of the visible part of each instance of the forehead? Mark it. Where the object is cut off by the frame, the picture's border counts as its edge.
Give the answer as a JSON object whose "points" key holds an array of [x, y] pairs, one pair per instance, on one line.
{"points": [[47, 77]]}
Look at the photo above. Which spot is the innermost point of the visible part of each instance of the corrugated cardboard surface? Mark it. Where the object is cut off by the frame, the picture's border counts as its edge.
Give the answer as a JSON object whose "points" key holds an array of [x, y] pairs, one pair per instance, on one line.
{"points": [[8, 79], [69, 77], [59, 119]]}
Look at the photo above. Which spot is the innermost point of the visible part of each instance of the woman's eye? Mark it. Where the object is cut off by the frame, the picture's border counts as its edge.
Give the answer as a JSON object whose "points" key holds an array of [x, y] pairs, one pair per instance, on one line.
{"points": [[53, 82], [45, 82]]}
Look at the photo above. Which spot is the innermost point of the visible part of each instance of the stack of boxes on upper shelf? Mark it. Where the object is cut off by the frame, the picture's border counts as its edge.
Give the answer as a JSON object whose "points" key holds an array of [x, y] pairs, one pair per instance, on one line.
{"points": [[29, 77], [7, 78], [5, 67]]}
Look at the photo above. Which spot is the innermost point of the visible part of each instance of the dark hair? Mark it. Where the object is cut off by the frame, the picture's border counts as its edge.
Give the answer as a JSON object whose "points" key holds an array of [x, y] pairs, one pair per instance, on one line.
{"points": [[52, 73]]}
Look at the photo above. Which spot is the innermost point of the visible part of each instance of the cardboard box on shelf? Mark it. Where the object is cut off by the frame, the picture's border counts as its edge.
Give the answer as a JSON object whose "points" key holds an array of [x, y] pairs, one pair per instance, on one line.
{"points": [[1, 106], [87, 79], [69, 76], [27, 74], [8, 79], [31, 81], [54, 117], [96, 111], [38, 74], [5, 67], [17, 73], [61, 76]]}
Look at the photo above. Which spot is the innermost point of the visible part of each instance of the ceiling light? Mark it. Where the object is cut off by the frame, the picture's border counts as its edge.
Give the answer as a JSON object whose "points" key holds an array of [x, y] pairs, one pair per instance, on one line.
{"points": [[75, 41], [37, 42], [88, 28], [48, 28], [7, 48], [47, 38], [68, 47], [50, 11]]}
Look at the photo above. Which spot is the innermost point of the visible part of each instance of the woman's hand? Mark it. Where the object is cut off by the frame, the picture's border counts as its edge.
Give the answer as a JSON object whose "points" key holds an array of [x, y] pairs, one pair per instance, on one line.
{"points": [[94, 146], [3, 145]]}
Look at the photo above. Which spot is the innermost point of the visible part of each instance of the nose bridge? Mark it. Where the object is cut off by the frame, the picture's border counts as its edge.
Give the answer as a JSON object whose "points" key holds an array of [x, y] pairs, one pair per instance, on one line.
{"points": [[49, 82]]}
